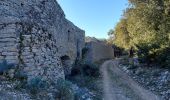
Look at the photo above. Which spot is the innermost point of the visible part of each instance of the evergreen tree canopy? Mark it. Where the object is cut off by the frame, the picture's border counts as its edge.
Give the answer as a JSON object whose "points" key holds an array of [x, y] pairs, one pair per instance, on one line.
{"points": [[145, 26]]}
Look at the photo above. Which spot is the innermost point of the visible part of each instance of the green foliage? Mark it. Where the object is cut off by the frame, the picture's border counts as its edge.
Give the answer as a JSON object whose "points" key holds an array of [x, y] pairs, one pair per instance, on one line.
{"points": [[86, 69], [20, 75], [145, 27], [163, 57], [4, 66], [36, 84], [84, 52], [122, 38], [86, 75], [65, 92], [147, 52], [90, 69], [20, 85], [111, 36]]}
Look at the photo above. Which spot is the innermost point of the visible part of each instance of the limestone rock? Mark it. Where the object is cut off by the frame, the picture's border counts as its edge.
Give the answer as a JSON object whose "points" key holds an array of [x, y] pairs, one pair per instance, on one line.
{"points": [[35, 35]]}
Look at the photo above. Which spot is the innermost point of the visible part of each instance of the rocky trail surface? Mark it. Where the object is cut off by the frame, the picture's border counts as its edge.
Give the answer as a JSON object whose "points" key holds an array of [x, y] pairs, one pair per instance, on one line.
{"points": [[117, 85]]}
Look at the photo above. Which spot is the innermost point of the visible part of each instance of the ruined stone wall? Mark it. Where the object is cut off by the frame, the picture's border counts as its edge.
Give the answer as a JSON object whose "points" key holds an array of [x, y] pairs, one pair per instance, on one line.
{"points": [[97, 51], [34, 35]]}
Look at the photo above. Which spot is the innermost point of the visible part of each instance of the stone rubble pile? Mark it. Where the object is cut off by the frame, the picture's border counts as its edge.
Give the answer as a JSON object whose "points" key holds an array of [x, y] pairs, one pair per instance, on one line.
{"points": [[155, 79]]}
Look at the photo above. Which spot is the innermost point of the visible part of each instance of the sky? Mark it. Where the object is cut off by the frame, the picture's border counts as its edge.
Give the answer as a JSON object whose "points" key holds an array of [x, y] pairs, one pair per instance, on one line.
{"points": [[96, 17]]}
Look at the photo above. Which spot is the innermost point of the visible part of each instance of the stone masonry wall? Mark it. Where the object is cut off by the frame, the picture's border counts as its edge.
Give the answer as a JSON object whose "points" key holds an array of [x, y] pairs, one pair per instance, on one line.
{"points": [[98, 50], [34, 35]]}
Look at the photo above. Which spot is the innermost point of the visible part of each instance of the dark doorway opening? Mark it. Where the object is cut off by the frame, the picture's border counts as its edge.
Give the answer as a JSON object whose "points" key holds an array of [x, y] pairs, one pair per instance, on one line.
{"points": [[66, 62]]}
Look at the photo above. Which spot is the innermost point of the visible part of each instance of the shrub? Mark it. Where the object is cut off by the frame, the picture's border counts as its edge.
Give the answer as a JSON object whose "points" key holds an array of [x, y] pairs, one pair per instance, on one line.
{"points": [[76, 69], [84, 52], [20, 75], [65, 91], [36, 84], [4, 66], [144, 53], [20, 85], [85, 69], [163, 57], [90, 69], [154, 54]]}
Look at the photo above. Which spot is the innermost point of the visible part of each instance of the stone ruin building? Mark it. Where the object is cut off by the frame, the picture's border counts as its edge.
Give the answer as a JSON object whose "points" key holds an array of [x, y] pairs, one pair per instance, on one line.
{"points": [[36, 37]]}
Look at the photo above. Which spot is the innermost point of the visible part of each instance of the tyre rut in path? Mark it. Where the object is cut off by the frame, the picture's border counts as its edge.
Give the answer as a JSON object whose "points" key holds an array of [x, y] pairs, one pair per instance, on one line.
{"points": [[117, 85]]}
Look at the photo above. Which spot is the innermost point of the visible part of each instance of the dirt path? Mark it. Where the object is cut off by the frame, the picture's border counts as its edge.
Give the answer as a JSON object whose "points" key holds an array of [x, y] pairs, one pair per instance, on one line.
{"points": [[118, 85]]}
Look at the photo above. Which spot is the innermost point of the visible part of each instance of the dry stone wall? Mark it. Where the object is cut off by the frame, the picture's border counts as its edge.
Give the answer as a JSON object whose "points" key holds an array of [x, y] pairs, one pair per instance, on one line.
{"points": [[34, 35], [97, 50]]}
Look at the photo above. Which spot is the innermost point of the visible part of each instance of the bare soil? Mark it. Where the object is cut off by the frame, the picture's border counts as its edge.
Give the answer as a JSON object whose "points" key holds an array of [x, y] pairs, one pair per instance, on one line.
{"points": [[117, 85]]}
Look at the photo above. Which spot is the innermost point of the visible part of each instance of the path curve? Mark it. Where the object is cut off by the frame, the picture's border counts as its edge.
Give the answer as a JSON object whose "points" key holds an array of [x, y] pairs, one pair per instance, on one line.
{"points": [[117, 85]]}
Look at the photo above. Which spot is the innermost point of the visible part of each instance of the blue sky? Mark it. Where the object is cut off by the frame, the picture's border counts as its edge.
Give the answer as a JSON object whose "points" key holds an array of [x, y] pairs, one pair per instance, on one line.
{"points": [[96, 17]]}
